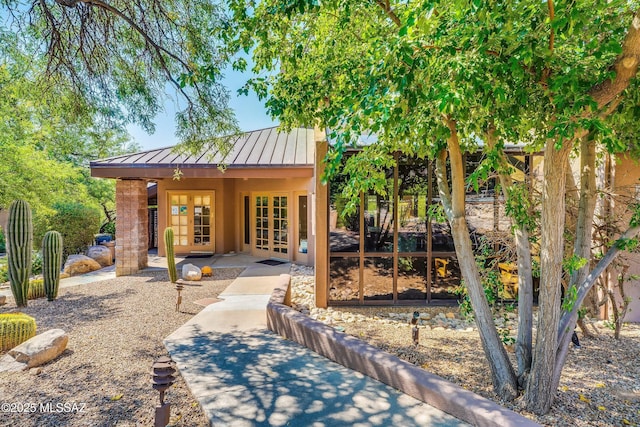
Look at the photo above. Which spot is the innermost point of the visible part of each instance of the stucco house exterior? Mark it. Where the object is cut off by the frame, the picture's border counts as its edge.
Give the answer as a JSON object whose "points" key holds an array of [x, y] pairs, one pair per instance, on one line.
{"points": [[270, 202]]}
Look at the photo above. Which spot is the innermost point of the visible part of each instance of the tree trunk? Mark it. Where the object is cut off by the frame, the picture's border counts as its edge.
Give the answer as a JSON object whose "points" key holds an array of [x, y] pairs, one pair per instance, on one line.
{"points": [[525, 276], [569, 318], [539, 390], [502, 375], [586, 209]]}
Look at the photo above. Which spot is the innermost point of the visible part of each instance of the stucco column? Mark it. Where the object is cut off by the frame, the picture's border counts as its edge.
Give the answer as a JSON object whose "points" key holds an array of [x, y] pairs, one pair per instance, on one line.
{"points": [[132, 226], [321, 223]]}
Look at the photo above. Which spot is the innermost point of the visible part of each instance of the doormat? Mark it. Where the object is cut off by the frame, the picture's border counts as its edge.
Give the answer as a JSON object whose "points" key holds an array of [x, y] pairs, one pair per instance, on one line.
{"points": [[270, 262], [200, 256]]}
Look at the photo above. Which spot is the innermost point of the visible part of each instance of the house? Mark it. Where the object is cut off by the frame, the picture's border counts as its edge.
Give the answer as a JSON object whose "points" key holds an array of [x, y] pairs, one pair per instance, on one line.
{"points": [[269, 202]]}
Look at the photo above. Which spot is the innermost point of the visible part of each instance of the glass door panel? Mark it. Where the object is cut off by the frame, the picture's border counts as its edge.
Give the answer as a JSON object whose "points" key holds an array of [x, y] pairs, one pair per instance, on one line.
{"points": [[280, 224], [202, 220], [191, 217], [180, 219], [271, 225], [262, 223]]}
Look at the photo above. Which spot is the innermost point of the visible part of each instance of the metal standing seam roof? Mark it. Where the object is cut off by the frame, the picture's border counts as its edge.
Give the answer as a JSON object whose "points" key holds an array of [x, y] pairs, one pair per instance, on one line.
{"points": [[260, 148]]}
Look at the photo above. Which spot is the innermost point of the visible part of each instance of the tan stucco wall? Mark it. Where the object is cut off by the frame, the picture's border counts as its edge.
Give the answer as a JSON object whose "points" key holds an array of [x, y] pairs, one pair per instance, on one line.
{"points": [[228, 208], [626, 183]]}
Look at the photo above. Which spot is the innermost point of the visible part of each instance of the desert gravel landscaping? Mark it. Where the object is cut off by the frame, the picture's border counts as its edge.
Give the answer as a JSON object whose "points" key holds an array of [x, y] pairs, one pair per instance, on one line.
{"points": [[600, 385], [116, 328]]}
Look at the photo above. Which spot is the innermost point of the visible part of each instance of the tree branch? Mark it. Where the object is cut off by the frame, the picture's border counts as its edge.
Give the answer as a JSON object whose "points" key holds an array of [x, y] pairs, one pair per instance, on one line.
{"points": [[384, 4], [625, 67]]}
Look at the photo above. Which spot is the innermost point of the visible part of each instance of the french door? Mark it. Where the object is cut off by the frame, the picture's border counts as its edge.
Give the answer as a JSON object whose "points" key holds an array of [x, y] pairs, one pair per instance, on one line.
{"points": [[191, 217], [271, 225]]}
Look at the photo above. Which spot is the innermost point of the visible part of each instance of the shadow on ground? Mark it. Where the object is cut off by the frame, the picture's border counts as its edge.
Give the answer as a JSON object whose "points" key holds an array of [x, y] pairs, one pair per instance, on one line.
{"points": [[256, 378]]}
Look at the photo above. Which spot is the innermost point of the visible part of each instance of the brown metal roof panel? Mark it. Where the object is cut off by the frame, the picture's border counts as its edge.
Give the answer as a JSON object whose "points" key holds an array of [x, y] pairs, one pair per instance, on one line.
{"points": [[311, 146], [148, 157], [259, 146], [278, 150], [301, 147], [289, 155], [267, 149], [245, 151]]}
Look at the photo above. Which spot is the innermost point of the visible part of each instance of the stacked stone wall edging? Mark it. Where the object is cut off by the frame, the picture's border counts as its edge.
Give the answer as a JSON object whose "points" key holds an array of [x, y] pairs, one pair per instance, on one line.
{"points": [[384, 367]]}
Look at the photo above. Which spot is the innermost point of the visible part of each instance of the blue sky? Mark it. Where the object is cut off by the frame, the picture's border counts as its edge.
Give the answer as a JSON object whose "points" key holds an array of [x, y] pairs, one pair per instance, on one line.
{"points": [[250, 113]]}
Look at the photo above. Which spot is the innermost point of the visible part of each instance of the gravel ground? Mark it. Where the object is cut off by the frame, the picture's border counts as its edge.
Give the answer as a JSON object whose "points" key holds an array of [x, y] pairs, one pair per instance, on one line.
{"points": [[115, 328], [600, 385]]}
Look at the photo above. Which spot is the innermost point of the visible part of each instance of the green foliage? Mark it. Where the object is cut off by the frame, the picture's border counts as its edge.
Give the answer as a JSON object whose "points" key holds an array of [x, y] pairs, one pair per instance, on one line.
{"points": [[15, 328], [77, 223], [570, 298], [171, 260], [20, 245], [3, 247], [4, 273], [519, 207], [627, 244], [574, 263], [36, 262], [436, 213], [52, 262]]}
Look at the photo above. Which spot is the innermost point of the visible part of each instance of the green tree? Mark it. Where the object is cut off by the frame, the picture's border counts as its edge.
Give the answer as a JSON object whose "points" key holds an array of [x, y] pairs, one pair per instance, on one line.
{"points": [[119, 57], [433, 79]]}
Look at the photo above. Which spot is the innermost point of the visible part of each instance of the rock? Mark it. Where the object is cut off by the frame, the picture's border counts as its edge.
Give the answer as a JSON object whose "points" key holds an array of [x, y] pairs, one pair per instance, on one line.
{"points": [[101, 254], [41, 349], [3, 300], [191, 272], [80, 264], [450, 315], [9, 364]]}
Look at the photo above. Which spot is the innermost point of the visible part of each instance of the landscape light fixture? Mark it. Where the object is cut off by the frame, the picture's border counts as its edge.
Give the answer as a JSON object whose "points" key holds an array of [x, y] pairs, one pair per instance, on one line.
{"points": [[179, 288], [414, 330], [162, 378]]}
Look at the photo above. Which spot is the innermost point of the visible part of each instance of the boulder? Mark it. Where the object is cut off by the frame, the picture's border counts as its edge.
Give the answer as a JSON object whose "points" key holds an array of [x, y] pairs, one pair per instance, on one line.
{"points": [[101, 254], [3, 300], [41, 349], [9, 364], [80, 264], [191, 272]]}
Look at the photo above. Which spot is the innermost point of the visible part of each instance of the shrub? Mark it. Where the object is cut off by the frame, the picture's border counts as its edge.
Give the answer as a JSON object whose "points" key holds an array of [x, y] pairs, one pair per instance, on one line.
{"points": [[3, 244], [36, 263], [4, 273], [77, 223]]}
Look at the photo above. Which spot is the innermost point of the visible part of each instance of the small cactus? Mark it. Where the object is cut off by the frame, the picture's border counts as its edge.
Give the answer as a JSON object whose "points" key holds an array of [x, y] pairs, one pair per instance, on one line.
{"points": [[36, 289], [51, 263], [15, 328], [19, 246], [171, 259]]}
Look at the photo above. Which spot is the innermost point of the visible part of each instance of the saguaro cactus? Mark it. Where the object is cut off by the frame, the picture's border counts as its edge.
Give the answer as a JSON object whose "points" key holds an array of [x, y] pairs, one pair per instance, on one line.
{"points": [[51, 263], [171, 259], [19, 246]]}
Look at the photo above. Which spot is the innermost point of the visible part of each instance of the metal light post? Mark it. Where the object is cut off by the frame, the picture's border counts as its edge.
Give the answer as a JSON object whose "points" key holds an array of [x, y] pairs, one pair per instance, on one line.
{"points": [[163, 378], [415, 334], [179, 288]]}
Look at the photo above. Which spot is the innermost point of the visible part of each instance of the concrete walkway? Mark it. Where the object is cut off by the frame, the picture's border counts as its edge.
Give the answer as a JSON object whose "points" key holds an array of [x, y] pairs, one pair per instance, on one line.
{"points": [[244, 375], [95, 276]]}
